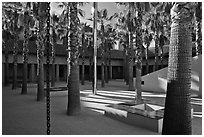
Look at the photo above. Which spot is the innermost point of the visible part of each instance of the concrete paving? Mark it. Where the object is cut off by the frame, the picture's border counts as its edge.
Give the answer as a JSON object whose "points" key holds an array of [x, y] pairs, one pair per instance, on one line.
{"points": [[23, 115]]}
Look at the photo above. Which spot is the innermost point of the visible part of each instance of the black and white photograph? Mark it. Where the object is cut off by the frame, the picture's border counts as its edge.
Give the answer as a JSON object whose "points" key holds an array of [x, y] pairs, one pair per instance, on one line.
{"points": [[101, 67]]}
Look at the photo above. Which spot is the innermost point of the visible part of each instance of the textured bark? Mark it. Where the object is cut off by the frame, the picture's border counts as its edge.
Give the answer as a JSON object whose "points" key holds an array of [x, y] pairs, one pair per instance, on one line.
{"points": [[40, 52], [102, 57], [15, 50], [127, 71], [40, 89], [138, 58], [14, 86], [156, 52], [25, 54], [147, 64], [124, 65], [177, 114], [73, 91], [138, 85], [73, 106], [130, 63]]}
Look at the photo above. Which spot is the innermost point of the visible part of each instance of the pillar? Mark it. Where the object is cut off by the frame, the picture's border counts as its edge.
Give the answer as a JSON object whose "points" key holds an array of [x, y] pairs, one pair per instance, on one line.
{"points": [[57, 72], [65, 72], [110, 71], [3, 73], [32, 73]]}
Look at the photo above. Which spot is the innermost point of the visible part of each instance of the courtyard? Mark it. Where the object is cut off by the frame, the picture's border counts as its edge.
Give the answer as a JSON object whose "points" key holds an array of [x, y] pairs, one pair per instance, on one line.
{"points": [[23, 115]]}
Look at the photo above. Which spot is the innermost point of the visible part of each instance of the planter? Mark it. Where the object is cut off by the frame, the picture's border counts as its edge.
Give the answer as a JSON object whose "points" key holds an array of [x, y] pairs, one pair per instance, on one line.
{"points": [[143, 115]]}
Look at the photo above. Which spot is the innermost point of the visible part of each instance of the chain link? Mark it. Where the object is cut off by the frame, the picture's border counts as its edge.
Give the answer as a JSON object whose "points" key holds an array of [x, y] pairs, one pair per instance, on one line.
{"points": [[48, 67]]}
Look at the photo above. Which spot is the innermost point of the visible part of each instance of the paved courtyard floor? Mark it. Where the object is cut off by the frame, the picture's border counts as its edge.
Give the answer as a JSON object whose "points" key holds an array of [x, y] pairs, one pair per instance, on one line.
{"points": [[23, 115]]}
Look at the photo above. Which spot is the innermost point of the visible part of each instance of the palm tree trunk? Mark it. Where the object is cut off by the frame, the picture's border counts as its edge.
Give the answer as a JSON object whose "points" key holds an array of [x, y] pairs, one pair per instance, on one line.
{"points": [[177, 114], [147, 64], [138, 57], [14, 86], [127, 70], [40, 54], [102, 57], [130, 63], [124, 65], [73, 106], [138, 85], [40, 76], [73, 91], [156, 53], [25, 55]]}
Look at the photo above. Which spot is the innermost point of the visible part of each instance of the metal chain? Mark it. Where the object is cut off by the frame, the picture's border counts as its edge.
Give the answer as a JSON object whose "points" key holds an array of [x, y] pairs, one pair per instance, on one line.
{"points": [[48, 68]]}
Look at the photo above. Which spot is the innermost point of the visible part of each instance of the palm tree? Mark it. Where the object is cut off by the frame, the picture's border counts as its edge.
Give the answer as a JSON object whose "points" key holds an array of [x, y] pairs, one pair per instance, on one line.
{"points": [[140, 8], [126, 23], [123, 41], [177, 114], [73, 106], [102, 17], [110, 36], [83, 48], [6, 36], [10, 16], [54, 26], [69, 22], [90, 49], [40, 14], [156, 26], [25, 54], [27, 22]]}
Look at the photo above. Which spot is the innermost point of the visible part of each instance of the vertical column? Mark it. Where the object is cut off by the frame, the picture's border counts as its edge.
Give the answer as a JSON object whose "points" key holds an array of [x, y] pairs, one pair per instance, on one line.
{"points": [[110, 71], [65, 72], [3, 74], [57, 72], [32, 72]]}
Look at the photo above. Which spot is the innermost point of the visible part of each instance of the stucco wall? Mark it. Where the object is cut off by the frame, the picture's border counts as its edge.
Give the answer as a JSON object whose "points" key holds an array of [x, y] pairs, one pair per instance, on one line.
{"points": [[157, 81]]}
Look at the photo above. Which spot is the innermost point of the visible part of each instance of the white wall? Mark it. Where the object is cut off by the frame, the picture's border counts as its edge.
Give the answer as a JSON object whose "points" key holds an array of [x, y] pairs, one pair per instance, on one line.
{"points": [[157, 81]]}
